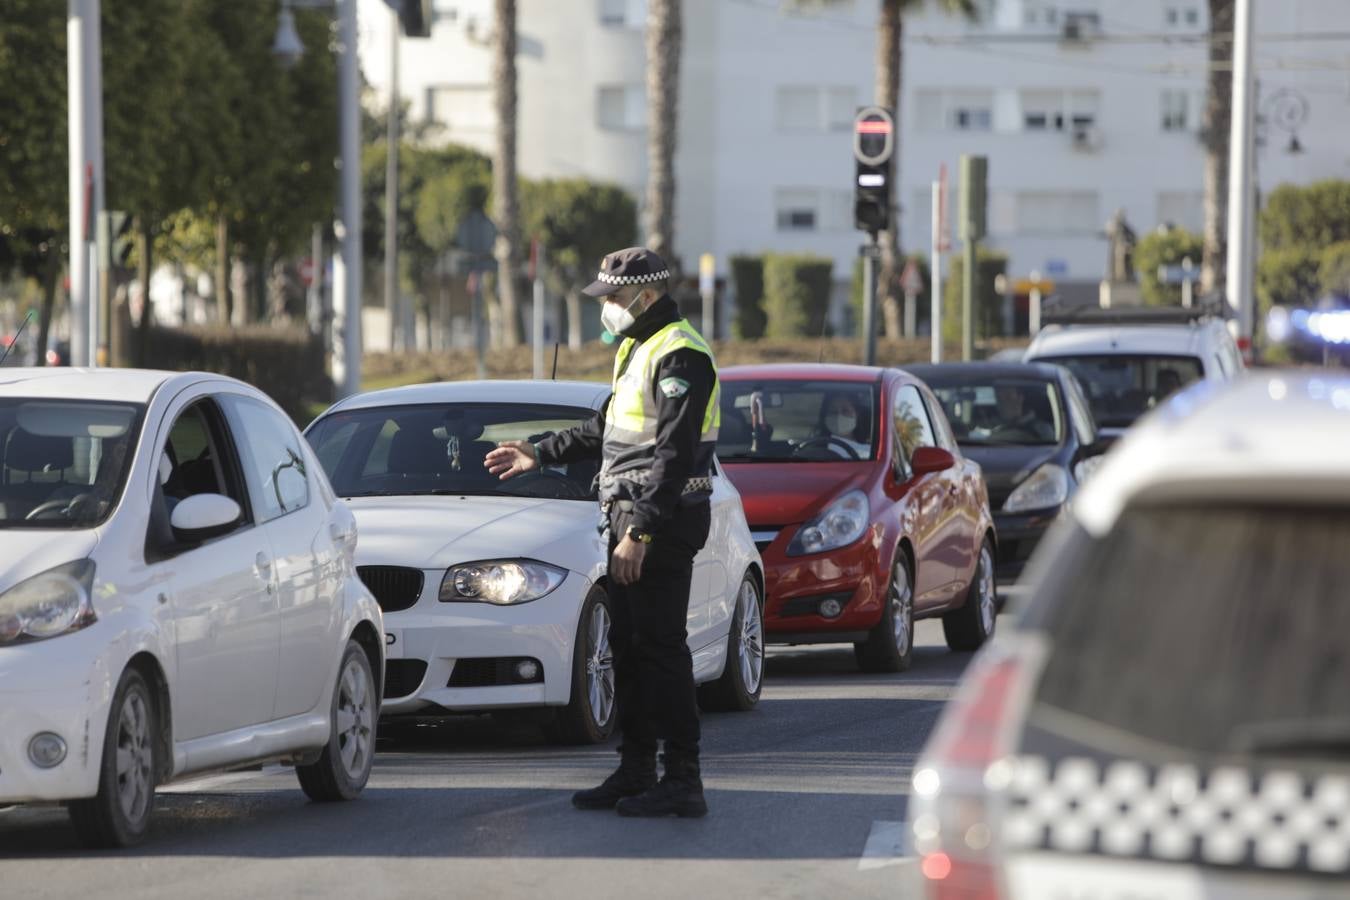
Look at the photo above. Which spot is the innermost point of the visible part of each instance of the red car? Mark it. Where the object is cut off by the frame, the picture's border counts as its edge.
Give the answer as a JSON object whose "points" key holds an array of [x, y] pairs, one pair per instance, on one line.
{"points": [[864, 510]]}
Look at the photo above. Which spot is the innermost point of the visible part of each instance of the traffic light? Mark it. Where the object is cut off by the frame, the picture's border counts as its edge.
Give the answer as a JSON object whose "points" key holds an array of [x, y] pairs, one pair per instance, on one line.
{"points": [[873, 146], [974, 198], [115, 237]]}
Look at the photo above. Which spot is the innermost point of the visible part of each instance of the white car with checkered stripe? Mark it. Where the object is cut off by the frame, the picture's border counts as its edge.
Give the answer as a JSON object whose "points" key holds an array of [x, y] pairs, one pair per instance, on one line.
{"points": [[1168, 717]]}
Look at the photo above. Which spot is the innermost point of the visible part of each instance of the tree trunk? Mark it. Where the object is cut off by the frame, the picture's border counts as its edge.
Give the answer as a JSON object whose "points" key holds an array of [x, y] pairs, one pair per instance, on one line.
{"points": [[145, 245], [51, 275], [889, 49], [505, 196], [1215, 135], [223, 306], [664, 40]]}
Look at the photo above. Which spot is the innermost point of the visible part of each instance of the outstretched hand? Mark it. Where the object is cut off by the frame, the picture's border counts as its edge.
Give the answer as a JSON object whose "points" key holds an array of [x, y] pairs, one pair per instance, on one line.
{"points": [[511, 458]]}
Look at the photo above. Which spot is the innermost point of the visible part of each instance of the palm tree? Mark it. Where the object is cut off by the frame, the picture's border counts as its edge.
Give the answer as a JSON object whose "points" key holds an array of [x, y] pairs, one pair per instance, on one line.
{"points": [[664, 40], [1215, 135], [505, 196]]}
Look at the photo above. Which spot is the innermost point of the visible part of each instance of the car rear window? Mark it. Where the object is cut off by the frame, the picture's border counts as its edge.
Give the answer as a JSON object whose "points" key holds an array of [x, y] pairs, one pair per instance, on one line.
{"points": [[1122, 387], [1218, 630]]}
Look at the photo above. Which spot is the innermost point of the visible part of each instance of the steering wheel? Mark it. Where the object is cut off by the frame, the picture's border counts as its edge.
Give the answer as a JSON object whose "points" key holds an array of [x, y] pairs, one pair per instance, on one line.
{"points": [[827, 440], [63, 505]]}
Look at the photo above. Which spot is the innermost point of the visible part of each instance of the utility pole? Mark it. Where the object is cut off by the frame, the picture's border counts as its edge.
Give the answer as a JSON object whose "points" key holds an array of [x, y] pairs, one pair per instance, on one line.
{"points": [[537, 312], [1241, 189], [84, 97], [939, 247], [973, 205], [347, 264], [398, 339]]}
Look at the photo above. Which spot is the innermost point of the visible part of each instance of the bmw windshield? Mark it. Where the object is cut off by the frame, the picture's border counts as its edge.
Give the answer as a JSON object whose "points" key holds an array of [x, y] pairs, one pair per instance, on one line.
{"points": [[63, 463], [438, 449], [797, 421]]}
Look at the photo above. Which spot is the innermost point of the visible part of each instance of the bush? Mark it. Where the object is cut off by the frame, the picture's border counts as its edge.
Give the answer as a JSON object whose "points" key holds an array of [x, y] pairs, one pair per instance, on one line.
{"points": [[287, 364], [1287, 278], [1317, 215], [987, 302], [1333, 270], [747, 275], [1165, 248], [796, 294]]}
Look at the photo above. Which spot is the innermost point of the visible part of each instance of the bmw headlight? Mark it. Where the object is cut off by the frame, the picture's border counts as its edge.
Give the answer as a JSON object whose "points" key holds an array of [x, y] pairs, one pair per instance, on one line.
{"points": [[502, 582], [838, 525], [1047, 487], [51, 603]]}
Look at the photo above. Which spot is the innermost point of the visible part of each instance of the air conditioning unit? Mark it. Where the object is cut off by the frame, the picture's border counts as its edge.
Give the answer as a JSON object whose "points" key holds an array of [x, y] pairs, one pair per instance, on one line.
{"points": [[1087, 138]]}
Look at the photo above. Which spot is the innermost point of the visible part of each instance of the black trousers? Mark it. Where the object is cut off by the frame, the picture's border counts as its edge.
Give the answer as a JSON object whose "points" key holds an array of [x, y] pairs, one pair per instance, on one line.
{"points": [[653, 668]]}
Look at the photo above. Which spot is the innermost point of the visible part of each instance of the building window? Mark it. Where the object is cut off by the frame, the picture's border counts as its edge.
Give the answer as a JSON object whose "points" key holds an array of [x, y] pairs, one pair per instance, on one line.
{"points": [[462, 109], [1056, 212], [623, 13], [1039, 15], [1182, 209], [1175, 110], [815, 109], [1181, 15], [621, 107], [1059, 110], [813, 209], [955, 110]]}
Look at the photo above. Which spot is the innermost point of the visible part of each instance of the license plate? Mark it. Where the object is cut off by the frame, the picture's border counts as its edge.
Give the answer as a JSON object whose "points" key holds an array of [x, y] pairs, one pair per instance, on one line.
{"points": [[393, 643]]}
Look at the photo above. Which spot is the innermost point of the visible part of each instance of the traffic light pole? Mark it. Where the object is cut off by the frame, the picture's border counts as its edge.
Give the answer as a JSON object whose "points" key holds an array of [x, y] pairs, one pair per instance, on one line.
{"points": [[871, 254]]}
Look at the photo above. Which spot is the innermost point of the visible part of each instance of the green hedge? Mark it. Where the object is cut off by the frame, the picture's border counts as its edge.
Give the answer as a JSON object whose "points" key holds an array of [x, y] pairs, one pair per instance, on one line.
{"points": [[987, 303], [747, 274], [287, 364], [796, 294]]}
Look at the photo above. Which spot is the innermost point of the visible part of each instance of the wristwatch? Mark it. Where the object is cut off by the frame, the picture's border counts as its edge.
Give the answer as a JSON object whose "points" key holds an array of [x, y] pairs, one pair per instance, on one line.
{"points": [[641, 537]]}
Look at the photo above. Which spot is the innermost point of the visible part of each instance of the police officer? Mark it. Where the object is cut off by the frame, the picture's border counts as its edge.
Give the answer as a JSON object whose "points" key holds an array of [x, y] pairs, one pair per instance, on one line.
{"points": [[655, 439]]}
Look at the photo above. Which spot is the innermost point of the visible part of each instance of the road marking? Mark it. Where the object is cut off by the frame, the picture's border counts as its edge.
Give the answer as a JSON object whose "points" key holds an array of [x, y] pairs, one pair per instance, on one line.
{"points": [[886, 846]]}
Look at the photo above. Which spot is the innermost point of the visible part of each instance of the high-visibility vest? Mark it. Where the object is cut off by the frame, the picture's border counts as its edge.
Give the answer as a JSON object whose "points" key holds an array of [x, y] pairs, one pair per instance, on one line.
{"points": [[630, 418]]}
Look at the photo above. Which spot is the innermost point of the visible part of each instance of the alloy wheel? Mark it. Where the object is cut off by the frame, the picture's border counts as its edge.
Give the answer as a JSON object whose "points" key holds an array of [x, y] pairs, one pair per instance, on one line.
{"points": [[986, 588], [752, 638], [902, 602], [600, 666], [135, 757], [355, 719]]}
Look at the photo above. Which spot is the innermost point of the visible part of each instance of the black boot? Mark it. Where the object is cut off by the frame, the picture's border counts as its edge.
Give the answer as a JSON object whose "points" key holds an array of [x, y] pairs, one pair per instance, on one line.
{"points": [[636, 774], [679, 793]]}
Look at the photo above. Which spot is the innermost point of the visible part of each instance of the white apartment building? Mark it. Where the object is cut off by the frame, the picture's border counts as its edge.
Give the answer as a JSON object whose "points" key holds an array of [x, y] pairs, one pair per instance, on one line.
{"points": [[1082, 106]]}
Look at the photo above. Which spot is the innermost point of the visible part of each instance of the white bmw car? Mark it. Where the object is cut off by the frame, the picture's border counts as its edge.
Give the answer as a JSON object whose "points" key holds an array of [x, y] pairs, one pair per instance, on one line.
{"points": [[177, 595], [494, 591]]}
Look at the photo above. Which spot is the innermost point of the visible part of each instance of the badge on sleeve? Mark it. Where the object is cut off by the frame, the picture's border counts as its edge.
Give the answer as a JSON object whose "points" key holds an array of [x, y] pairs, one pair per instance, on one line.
{"points": [[673, 387]]}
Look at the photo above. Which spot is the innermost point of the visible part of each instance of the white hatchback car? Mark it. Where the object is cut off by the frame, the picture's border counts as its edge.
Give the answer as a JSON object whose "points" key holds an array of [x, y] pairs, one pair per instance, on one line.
{"points": [[494, 591], [177, 595], [1130, 359]]}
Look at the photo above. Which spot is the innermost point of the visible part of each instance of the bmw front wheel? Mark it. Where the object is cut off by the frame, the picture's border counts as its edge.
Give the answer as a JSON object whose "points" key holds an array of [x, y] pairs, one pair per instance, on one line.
{"points": [[589, 716]]}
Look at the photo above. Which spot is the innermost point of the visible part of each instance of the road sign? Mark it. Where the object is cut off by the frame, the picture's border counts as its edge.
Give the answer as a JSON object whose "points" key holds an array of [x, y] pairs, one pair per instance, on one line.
{"points": [[1178, 274], [306, 270], [1059, 267], [911, 281]]}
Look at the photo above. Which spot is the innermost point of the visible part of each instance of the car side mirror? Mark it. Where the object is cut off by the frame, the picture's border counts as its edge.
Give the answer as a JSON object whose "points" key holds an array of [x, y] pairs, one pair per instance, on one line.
{"points": [[204, 516], [931, 459]]}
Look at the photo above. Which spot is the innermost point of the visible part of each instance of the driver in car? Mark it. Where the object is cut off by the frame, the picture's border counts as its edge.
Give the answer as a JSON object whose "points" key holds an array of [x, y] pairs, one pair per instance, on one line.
{"points": [[1015, 418], [839, 421]]}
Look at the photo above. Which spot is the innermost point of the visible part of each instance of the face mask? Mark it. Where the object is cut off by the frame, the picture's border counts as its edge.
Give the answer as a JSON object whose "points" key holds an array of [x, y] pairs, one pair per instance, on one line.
{"points": [[841, 423], [618, 319]]}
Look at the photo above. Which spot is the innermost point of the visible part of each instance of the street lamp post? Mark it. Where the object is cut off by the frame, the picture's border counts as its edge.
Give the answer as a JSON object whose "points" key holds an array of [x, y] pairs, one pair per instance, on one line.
{"points": [[347, 228], [84, 94]]}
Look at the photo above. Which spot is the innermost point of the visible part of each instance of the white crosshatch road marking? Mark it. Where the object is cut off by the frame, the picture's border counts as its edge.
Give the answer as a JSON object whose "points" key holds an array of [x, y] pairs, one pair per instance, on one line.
{"points": [[887, 845]]}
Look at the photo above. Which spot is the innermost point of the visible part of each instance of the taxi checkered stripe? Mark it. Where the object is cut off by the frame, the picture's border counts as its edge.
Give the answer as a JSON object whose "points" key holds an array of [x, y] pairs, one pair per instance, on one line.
{"points": [[1276, 820]]}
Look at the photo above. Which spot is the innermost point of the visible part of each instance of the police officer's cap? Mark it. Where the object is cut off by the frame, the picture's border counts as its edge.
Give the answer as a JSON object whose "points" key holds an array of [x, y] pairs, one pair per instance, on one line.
{"points": [[636, 265]]}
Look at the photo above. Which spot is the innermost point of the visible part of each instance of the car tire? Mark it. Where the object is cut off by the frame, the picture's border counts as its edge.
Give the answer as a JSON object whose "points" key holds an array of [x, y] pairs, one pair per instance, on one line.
{"points": [[343, 768], [890, 645], [967, 628], [119, 815], [742, 679], [590, 716]]}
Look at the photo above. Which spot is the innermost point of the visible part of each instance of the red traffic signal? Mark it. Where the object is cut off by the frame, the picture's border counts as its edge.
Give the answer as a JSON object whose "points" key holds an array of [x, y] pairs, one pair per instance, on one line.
{"points": [[873, 135]]}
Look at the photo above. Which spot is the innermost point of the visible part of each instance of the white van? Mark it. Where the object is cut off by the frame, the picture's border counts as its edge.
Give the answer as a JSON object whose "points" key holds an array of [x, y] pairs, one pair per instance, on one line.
{"points": [[1130, 359]]}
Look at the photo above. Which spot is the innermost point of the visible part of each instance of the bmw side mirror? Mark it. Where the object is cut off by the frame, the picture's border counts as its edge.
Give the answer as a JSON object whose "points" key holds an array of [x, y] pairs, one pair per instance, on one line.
{"points": [[931, 459], [204, 516]]}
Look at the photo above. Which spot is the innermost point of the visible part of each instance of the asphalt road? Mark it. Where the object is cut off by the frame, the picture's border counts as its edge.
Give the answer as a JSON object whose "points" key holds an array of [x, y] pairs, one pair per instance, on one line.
{"points": [[807, 794]]}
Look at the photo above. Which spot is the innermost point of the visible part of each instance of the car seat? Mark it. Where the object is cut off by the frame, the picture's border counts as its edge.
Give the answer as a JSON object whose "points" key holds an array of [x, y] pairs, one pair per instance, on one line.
{"points": [[35, 454]]}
